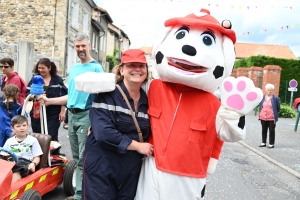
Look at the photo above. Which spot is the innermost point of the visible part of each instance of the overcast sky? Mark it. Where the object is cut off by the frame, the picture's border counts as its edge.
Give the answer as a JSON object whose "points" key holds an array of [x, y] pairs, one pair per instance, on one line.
{"points": [[274, 22]]}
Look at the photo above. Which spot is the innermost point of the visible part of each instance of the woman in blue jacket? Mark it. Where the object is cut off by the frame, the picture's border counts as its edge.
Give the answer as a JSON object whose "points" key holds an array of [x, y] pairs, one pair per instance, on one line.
{"points": [[113, 154], [53, 87], [269, 108]]}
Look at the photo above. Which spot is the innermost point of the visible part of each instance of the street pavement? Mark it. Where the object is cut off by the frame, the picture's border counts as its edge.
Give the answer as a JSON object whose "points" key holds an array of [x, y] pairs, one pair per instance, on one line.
{"points": [[286, 153], [245, 171]]}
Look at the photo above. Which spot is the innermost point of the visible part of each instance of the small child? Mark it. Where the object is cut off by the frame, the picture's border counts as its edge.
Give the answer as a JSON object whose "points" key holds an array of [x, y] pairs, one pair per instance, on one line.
{"points": [[8, 109], [25, 146]]}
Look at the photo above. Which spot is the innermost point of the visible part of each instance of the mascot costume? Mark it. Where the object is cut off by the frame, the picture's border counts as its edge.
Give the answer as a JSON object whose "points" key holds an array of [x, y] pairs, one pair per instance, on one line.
{"points": [[194, 56]]}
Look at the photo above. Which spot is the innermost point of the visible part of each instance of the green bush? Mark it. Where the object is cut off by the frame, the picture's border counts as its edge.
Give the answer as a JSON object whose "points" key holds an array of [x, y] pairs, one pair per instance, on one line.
{"points": [[286, 111], [112, 61]]}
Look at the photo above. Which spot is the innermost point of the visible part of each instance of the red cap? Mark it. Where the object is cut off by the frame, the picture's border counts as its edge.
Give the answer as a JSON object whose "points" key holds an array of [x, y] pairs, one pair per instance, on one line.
{"points": [[133, 55], [201, 19]]}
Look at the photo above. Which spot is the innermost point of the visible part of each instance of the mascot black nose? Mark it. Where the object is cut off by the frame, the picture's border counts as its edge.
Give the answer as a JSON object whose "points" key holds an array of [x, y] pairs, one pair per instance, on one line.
{"points": [[189, 50]]}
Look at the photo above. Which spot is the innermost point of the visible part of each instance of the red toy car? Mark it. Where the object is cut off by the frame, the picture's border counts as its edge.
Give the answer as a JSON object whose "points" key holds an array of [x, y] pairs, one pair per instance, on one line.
{"points": [[296, 103], [45, 179]]}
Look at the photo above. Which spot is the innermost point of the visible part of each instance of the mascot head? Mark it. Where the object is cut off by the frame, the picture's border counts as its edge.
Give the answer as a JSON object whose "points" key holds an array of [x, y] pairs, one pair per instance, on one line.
{"points": [[195, 51]]}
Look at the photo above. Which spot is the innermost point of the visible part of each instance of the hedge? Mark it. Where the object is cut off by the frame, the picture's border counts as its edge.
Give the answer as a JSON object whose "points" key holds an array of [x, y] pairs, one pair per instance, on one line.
{"points": [[290, 70]]}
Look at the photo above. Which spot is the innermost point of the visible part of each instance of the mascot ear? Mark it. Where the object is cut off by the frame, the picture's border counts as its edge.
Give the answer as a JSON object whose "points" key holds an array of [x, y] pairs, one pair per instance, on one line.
{"points": [[229, 55], [160, 37]]}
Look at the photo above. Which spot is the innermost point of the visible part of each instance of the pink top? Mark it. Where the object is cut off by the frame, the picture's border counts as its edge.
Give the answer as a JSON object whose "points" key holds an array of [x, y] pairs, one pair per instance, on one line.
{"points": [[266, 112]]}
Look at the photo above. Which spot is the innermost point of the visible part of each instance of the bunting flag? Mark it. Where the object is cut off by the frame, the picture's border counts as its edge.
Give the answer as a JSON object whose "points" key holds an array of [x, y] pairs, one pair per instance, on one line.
{"points": [[240, 7], [271, 29]]}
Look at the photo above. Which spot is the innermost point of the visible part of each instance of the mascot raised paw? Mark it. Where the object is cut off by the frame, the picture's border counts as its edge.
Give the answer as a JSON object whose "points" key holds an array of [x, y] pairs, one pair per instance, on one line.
{"points": [[194, 56]]}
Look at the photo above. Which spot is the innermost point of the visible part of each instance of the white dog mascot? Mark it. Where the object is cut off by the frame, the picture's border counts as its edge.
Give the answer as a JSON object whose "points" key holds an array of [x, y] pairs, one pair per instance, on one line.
{"points": [[194, 55]]}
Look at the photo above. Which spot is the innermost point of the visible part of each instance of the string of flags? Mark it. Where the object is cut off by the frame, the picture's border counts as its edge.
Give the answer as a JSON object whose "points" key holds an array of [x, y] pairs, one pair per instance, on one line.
{"points": [[269, 29], [248, 7]]}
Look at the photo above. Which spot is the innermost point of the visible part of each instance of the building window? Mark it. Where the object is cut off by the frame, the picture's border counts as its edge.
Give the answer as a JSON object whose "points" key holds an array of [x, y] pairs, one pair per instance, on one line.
{"points": [[85, 23], [72, 58], [93, 41], [96, 43], [101, 43], [74, 13]]}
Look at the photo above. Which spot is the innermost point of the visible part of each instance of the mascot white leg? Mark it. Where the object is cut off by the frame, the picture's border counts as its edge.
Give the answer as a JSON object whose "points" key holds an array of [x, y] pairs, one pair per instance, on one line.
{"points": [[155, 184]]}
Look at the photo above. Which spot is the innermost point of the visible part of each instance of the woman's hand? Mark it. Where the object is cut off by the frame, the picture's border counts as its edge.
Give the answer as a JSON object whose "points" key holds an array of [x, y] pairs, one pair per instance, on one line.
{"points": [[31, 97], [61, 116], [89, 130], [145, 148], [142, 148]]}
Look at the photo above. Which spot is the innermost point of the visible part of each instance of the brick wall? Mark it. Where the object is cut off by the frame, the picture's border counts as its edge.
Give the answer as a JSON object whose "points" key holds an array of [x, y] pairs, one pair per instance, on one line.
{"points": [[242, 71], [256, 75], [261, 76], [272, 75]]}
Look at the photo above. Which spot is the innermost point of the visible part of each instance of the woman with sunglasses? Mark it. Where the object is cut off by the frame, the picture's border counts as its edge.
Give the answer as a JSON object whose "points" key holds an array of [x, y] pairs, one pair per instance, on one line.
{"points": [[11, 77]]}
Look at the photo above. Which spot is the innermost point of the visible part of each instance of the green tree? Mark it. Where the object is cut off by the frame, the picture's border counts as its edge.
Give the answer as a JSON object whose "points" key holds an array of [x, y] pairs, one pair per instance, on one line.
{"points": [[112, 62]]}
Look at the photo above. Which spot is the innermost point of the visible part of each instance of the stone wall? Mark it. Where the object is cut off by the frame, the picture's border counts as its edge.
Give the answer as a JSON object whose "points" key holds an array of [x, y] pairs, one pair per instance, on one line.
{"points": [[42, 22]]}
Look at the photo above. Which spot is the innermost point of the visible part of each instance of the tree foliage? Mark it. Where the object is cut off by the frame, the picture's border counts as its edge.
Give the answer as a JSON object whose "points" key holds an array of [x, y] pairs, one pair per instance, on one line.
{"points": [[112, 62]]}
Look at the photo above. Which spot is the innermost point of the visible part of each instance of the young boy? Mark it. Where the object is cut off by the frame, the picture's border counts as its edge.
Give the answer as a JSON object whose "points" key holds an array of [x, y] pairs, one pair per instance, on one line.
{"points": [[25, 146]]}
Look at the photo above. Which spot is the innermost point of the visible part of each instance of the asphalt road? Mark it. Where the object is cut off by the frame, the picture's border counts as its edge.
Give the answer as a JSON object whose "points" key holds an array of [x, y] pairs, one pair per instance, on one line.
{"points": [[243, 174]]}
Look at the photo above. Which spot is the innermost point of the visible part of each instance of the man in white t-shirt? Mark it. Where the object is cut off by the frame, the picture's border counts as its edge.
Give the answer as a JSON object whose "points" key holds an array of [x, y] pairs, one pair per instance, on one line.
{"points": [[25, 146]]}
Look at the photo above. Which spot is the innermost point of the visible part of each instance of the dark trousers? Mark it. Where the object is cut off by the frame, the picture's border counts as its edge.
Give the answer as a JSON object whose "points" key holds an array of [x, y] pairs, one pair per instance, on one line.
{"points": [[265, 126], [52, 123]]}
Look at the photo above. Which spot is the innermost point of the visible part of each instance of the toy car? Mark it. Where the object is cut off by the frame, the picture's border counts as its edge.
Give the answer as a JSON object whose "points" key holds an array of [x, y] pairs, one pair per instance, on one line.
{"points": [[296, 103], [49, 174]]}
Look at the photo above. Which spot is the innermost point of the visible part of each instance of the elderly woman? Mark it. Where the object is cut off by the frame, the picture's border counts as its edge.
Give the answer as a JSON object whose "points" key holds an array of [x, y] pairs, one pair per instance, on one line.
{"points": [[269, 108]]}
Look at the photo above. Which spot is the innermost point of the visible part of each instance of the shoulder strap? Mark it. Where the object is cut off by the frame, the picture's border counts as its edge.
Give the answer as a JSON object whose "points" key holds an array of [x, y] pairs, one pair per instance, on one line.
{"points": [[132, 114]]}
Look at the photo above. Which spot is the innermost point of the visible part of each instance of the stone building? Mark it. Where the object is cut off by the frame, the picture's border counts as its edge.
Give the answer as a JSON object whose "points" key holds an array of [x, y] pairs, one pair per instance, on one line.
{"points": [[43, 23], [118, 40], [51, 26], [99, 34]]}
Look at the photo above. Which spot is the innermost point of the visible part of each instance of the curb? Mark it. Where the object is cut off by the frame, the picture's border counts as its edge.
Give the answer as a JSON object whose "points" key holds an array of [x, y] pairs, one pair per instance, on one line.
{"points": [[282, 166]]}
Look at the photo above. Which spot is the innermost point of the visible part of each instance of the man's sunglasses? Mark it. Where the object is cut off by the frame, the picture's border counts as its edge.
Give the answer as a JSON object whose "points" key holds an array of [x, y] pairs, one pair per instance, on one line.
{"points": [[4, 66]]}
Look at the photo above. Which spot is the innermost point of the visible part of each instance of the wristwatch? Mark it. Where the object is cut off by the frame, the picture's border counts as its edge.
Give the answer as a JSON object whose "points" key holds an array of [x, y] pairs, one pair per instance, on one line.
{"points": [[34, 163]]}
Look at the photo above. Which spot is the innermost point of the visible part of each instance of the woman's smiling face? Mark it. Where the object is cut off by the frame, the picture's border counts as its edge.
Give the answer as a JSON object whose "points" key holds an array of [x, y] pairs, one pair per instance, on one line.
{"points": [[134, 72], [43, 70]]}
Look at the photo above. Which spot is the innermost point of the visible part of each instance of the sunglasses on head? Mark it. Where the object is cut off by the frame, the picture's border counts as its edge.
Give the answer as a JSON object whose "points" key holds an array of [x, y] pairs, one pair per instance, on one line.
{"points": [[4, 66]]}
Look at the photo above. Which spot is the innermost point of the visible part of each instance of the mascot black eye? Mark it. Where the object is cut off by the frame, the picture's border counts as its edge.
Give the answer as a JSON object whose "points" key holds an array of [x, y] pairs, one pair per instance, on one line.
{"points": [[207, 39], [181, 34]]}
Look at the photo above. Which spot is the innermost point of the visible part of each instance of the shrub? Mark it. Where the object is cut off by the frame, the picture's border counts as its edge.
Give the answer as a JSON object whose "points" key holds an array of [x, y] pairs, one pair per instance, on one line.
{"points": [[286, 111], [112, 61]]}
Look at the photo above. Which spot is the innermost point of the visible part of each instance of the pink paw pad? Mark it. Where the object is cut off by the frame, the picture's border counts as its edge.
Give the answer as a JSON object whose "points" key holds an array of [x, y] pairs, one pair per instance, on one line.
{"points": [[235, 101]]}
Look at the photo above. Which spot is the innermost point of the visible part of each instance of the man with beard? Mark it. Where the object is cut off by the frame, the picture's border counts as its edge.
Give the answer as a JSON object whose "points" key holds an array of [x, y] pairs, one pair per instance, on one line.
{"points": [[78, 105]]}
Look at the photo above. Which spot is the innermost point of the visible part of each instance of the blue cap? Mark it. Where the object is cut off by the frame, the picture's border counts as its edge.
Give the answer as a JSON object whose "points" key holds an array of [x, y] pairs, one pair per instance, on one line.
{"points": [[37, 86]]}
